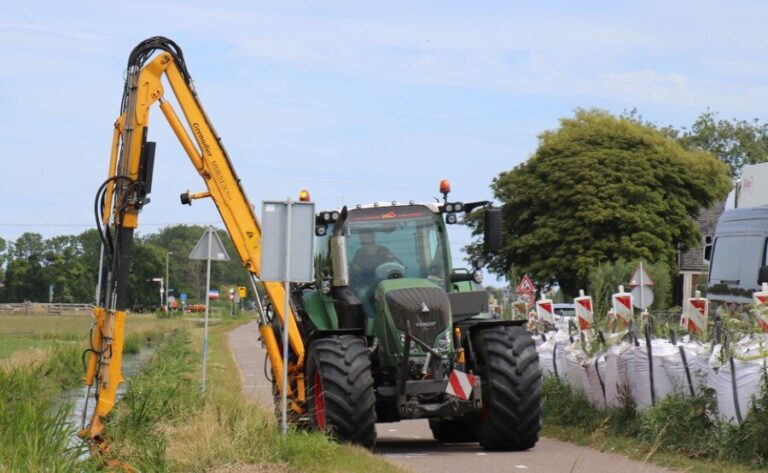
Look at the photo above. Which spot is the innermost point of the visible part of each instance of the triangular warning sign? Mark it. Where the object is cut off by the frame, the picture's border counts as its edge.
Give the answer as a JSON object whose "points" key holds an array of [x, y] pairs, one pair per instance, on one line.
{"points": [[200, 251], [641, 277], [526, 286]]}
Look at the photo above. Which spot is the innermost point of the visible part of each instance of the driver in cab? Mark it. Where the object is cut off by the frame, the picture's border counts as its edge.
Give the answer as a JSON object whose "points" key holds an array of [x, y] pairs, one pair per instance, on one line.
{"points": [[367, 258]]}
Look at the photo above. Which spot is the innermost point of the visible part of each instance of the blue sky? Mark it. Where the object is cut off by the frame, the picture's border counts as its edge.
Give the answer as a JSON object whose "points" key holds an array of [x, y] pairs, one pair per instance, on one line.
{"points": [[357, 101]]}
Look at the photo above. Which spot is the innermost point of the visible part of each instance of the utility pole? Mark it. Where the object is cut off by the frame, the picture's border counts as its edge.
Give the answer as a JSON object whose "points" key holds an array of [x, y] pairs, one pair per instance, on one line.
{"points": [[167, 281]]}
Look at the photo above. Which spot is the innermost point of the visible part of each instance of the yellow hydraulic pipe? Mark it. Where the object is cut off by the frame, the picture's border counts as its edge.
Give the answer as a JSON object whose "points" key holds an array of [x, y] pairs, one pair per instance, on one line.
{"points": [[275, 360], [93, 359], [112, 168], [181, 134], [111, 378]]}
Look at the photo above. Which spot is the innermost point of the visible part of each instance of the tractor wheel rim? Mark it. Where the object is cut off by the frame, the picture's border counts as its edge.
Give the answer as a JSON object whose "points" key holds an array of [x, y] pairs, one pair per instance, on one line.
{"points": [[319, 400]]}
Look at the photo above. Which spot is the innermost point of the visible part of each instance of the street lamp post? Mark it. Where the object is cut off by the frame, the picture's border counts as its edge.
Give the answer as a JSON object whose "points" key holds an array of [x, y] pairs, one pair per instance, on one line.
{"points": [[167, 281]]}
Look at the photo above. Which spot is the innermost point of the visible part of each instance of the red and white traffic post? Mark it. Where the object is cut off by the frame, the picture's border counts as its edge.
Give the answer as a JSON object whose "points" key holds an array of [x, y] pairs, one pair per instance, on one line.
{"points": [[761, 299], [694, 317], [584, 310]]}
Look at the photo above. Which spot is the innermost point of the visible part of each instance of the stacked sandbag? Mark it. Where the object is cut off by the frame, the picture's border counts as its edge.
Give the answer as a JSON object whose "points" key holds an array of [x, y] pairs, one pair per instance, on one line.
{"points": [[619, 373], [651, 380]]}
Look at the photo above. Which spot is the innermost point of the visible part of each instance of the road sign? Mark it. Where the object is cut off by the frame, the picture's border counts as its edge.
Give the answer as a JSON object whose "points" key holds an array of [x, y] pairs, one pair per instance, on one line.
{"points": [[242, 291], [641, 277], [642, 297], [288, 241], [213, 294], [526, 286], [200, 251], [183, 297]]}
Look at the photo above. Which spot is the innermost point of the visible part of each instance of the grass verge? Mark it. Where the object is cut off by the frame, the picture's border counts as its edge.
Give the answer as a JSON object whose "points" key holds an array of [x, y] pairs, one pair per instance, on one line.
{"points": [[678, 432], [34, 432], [164, 425], [33, 435]]}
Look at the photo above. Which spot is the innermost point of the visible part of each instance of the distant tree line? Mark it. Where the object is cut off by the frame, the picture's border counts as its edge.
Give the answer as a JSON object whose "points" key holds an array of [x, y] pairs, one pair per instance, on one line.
{"points": [[31, 264]]}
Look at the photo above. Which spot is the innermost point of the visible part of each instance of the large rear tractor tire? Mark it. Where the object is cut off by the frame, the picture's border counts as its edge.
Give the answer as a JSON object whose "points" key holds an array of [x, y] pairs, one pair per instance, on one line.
{"points": [[340, 389], [511, 388], [453, 430]]}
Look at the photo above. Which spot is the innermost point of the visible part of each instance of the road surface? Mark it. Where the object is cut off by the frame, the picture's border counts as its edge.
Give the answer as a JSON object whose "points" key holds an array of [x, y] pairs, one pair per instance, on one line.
{"points": [[410, 443]]}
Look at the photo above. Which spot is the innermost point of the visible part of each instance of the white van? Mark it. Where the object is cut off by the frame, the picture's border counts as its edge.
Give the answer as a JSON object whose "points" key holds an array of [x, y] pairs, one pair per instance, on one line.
{"points": [[739, 259]]}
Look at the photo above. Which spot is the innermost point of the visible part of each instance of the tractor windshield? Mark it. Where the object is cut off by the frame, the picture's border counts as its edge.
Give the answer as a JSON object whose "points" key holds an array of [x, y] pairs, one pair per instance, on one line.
{"points": [[392, 242]]}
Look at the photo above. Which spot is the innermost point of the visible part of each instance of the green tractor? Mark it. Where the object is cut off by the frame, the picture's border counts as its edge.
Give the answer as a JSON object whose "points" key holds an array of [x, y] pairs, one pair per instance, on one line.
{"points": [[393, 332]]}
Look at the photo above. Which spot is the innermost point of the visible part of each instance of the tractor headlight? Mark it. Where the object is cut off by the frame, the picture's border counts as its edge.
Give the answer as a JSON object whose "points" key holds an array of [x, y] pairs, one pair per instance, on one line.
{"points": [[444, 342], [325, 287], [414, 346]]}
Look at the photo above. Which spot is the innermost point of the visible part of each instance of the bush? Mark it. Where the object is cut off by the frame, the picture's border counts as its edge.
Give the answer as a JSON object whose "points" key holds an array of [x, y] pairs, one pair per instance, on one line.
{"points": [[679, 424], [606, 278]]}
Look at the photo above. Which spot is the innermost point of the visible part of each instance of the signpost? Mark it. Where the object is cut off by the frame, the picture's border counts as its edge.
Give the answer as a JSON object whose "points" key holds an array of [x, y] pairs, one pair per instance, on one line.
{"points": [[287, 255], [641, 292], [209, 248]]}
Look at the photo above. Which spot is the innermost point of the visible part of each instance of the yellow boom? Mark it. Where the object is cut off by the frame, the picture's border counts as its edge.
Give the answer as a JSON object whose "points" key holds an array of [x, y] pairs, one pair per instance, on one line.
{"points": [[124, 193]]}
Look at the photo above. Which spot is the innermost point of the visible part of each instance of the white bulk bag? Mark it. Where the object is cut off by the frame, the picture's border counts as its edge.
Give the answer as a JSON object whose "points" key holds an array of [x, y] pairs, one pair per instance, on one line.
{"points": [[748, 382], [594, 369], [574, 373], [643, 385], [555, 345], [675, 367], [619, 360]]}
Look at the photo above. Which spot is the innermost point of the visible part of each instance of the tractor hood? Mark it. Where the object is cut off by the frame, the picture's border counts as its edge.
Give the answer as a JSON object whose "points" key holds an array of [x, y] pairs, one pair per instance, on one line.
{"points": [[418, 301]]}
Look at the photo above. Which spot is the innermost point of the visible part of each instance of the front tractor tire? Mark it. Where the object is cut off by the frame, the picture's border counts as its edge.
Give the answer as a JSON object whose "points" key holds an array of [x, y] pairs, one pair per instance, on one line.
{"points": [[340, 389], [511, 388]]}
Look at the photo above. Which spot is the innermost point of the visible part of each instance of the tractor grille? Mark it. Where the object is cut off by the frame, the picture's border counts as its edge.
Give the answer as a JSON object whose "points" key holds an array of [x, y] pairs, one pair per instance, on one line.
{"points": [[408, 304]]}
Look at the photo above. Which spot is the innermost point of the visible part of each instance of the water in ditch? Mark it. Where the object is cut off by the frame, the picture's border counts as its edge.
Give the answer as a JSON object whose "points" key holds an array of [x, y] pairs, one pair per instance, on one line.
{"points": [[75, 397]]}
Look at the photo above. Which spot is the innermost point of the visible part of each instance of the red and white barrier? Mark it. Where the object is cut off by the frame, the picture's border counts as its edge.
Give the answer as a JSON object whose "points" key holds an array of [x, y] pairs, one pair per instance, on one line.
{"points": [[694, 317], [622, 305], [761, 298], [545, 310], [584, 311]]}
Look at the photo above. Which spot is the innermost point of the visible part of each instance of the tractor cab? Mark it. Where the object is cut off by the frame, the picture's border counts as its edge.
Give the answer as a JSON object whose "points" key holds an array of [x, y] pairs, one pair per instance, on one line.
{"points": [[394, 242]]}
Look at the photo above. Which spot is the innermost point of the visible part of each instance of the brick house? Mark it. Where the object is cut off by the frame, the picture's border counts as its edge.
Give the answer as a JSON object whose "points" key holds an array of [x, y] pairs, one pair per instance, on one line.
{"points": [[693, 264]]}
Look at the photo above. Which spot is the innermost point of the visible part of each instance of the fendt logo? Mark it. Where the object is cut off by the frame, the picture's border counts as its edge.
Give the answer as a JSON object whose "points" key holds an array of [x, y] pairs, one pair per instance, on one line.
{"points": [[424, 307], [426, 324]]}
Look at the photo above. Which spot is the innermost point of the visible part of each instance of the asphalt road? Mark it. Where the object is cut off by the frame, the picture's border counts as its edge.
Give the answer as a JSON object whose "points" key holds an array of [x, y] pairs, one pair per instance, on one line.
{"points": [[410, 443]]}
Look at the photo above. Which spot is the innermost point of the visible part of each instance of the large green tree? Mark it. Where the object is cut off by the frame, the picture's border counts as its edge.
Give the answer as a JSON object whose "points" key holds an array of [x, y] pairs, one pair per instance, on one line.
{"points": [[601, 188], [735, 142]]}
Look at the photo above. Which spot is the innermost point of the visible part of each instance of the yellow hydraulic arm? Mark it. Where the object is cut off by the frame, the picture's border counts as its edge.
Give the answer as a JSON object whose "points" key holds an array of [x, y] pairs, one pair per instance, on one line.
{"points": [[123, 194]]}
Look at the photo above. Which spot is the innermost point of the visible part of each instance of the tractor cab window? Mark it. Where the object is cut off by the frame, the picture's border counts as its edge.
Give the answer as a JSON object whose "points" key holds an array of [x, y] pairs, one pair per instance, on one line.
{"points": [[394, 242]]}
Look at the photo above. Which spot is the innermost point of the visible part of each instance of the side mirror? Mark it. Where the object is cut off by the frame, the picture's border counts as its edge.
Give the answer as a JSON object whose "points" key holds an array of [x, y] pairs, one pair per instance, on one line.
{"points": [[762, 275], [492, 239]]}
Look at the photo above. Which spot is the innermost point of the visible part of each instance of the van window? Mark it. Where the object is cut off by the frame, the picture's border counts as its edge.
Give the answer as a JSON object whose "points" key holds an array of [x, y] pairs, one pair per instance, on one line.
{"points": [[707, 248], [736, 259]]}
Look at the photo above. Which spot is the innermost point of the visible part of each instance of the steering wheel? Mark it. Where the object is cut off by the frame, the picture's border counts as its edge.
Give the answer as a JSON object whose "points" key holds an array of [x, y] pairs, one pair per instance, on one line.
{"points": [[390, 270]]}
